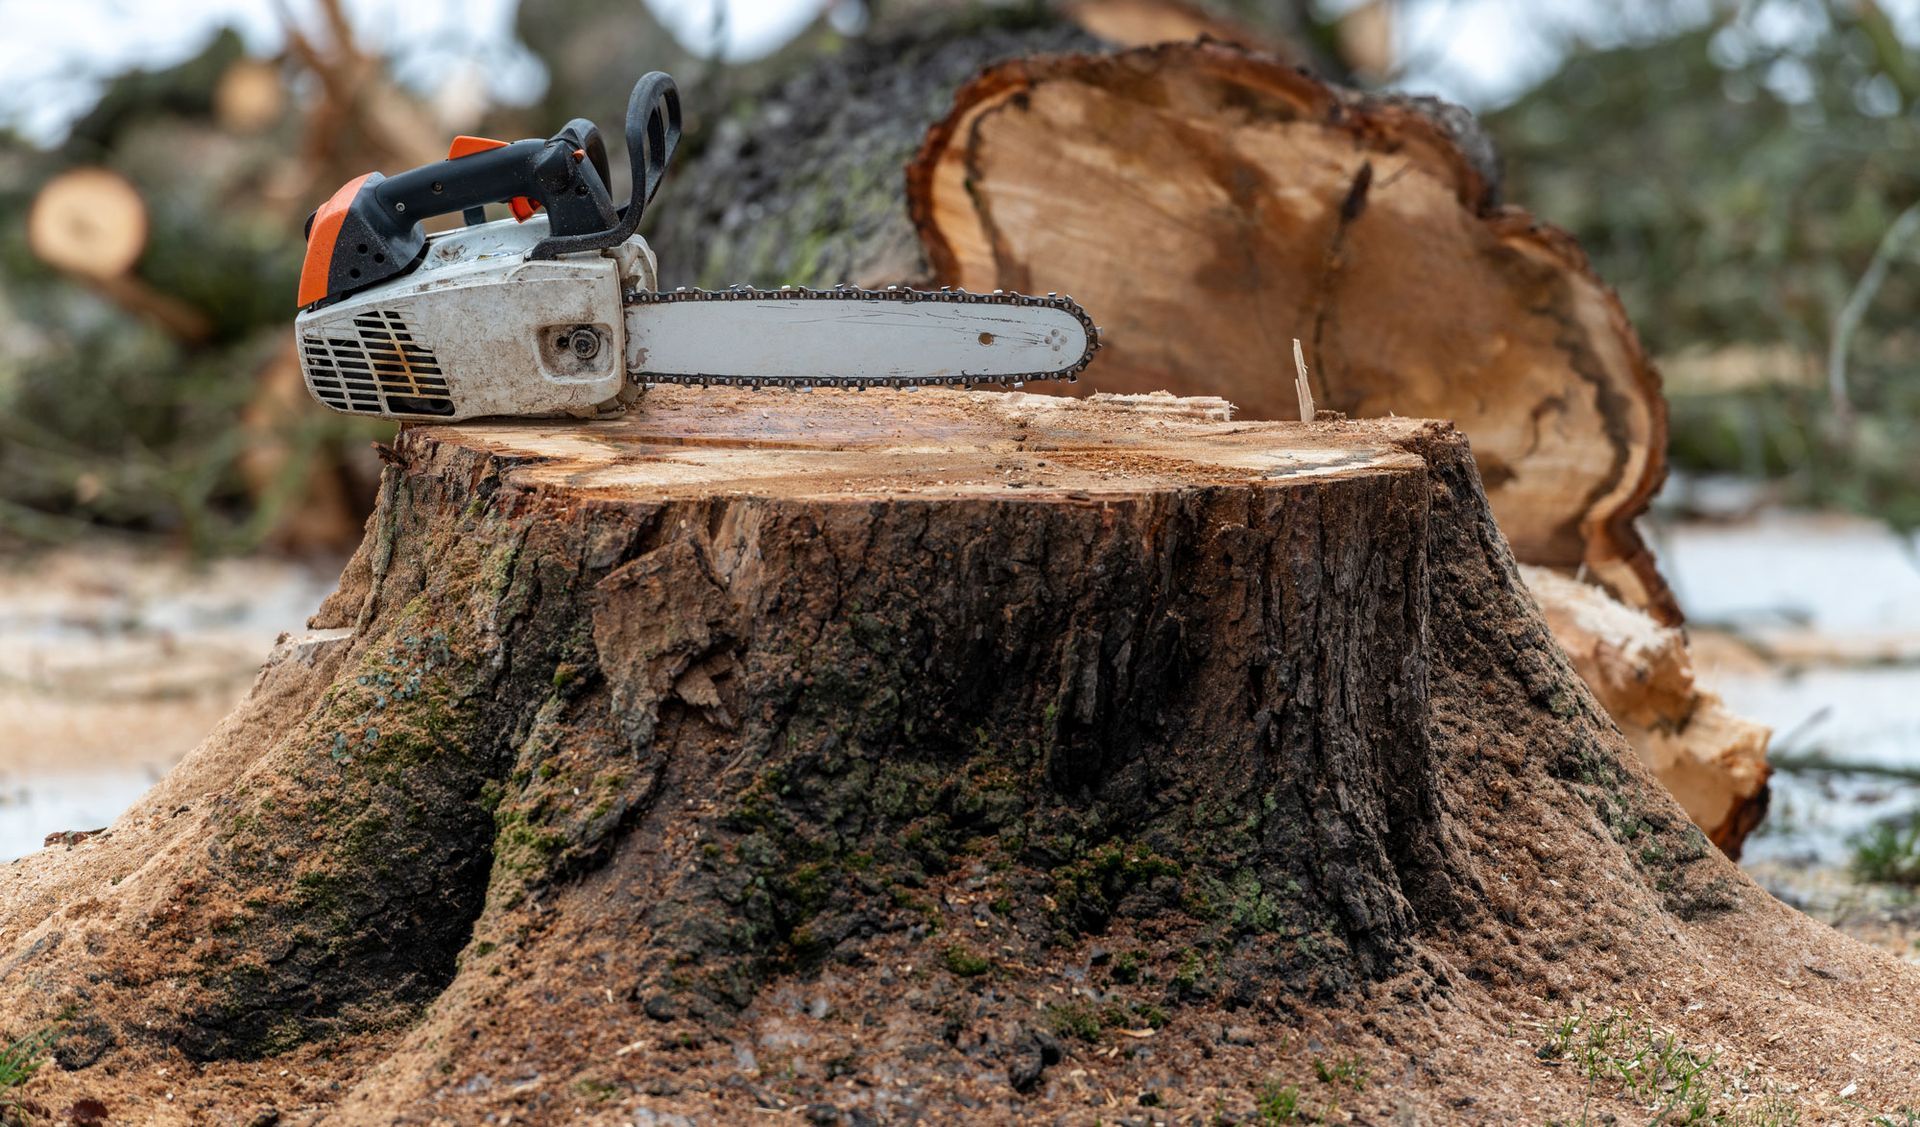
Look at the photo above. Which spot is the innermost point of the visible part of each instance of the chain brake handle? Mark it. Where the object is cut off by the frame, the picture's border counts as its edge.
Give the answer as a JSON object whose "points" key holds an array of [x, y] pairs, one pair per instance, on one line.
{"points": [[584, 136], [653, 133]]}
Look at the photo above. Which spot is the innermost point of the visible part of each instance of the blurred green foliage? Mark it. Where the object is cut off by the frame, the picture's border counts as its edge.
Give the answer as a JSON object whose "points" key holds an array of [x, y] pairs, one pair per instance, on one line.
{"points": [[1735, 183], [1888, 854], [104, 417]]}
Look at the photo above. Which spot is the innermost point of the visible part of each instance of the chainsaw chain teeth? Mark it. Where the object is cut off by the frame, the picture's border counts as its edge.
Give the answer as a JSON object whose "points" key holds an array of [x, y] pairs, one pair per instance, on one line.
{"points": [[945, 294]]}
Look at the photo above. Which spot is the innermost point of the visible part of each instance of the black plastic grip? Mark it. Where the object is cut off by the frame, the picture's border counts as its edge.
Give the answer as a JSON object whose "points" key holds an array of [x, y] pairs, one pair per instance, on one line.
{"points": [[573, 191], [653, 133], [584, 135]]}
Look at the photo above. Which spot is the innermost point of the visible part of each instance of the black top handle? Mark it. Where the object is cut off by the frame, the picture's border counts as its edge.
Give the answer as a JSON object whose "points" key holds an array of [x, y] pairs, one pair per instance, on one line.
{"points": [[566, 174], [653, 133]]}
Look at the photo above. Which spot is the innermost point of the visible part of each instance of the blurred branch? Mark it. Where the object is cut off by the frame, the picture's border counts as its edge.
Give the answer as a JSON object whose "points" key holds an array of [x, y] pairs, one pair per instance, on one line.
{"points": [[33, 525], [1821, 761], [1892, 55], [1761, 187], [1856, 307], [360, 118]]}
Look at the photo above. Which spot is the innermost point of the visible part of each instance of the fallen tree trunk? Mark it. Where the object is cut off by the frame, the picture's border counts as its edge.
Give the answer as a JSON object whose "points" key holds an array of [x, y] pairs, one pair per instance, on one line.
{"points": [[869, 755], [1713, 761]]}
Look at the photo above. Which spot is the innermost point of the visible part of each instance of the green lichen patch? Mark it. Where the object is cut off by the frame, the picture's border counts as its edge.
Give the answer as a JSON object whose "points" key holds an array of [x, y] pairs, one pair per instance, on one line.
{"points": [[1078, 1020], [357, 873], [965, 961], [562, 807], [1091, 888], [1672, 855]]}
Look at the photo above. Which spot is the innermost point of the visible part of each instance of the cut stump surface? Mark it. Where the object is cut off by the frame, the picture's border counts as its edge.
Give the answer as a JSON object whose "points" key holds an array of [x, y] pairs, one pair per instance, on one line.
{"points": [[925, 445]]}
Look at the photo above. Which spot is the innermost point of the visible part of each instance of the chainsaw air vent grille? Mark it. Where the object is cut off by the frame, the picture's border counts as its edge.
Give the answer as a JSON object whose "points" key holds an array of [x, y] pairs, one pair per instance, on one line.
{"points": [[374, 367]]}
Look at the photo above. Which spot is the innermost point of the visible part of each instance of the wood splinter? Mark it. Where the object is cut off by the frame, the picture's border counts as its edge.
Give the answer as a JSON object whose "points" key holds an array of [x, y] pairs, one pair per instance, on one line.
{"points": [[1301, 387]]}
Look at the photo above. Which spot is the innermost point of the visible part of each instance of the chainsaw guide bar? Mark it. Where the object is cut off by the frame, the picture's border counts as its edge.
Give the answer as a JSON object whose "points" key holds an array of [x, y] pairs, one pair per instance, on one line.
{"points": [[1061, 316]]}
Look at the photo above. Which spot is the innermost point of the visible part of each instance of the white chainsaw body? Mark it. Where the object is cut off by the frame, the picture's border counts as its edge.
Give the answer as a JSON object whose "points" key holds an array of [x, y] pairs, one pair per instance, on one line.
{"points": [[479, 329], [562, 314]]}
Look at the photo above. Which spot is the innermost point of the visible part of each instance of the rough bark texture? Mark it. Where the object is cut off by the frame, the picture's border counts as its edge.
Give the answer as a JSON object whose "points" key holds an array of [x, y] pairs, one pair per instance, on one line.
{"points": [[950, 756]]}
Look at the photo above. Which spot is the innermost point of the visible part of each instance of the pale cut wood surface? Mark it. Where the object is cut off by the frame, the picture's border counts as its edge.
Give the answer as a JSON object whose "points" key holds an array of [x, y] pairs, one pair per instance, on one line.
{"points": [[935, 442], [88, 221], [1207, 205]]}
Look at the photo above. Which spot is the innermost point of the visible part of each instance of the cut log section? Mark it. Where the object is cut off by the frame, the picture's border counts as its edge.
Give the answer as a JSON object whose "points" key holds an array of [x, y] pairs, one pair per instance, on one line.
{"points": [[250, 97], [943, 756], [1713, 761], [1206, 205], [91, 223]]}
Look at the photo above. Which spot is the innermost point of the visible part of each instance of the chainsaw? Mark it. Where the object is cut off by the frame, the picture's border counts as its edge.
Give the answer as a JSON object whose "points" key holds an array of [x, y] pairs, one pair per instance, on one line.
{"points": [[556, 310]]}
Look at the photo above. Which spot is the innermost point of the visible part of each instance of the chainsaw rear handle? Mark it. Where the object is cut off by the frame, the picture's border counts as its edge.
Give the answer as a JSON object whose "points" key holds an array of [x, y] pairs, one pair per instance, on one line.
{"points": [[370, 230], [653, 133], [565, 174]]}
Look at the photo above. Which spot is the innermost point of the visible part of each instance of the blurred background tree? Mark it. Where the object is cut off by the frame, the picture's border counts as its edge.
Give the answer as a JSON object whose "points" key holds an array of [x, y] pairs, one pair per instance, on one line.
{"points": [[109, 413], [1750, 185], [1746, 174]]}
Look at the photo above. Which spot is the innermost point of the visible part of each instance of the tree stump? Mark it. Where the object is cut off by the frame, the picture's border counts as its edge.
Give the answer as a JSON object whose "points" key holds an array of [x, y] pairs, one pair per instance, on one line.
{"points": [[946, 755], [1209, 205]]}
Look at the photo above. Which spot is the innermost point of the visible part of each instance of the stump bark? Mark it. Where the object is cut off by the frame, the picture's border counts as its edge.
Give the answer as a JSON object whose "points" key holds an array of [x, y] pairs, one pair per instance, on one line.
{"points": [[949, 755]]}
